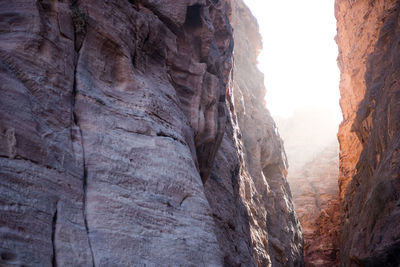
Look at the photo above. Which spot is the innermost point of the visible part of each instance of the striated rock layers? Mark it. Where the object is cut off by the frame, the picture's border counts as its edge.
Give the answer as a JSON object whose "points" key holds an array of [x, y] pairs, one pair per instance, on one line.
{"points": [[118, 146], [310, 142], [369, 136]]}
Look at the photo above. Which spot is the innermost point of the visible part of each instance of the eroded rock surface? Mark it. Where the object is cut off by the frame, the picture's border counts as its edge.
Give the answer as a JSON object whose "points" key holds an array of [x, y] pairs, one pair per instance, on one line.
{"points": [[315, 195], [310, 141], [119, 148], [369, 136], [274, 227]]}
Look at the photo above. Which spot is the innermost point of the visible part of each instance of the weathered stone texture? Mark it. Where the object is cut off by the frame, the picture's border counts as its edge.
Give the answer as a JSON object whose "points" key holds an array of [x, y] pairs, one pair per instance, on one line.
{"points": [[310, 142], [274, 226], [315, 195], [112, 115], [369, 136]]}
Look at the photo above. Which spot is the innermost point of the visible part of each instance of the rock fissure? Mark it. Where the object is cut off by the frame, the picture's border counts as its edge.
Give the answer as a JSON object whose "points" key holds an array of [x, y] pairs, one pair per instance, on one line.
{"points": [[20, 158], [83, 156], [144, 122], [163, 134], [53, 237], [79, 19], [85, 213]]}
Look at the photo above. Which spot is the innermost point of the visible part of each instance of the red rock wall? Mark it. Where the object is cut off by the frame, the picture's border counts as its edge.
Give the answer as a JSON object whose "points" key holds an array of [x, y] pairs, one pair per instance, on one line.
{"points": [[310, 141], [315, 194], [369, 136], [119, 148]]}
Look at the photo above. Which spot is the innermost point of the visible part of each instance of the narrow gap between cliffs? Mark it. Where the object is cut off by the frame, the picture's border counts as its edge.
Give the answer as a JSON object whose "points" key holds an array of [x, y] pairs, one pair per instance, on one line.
{"points": [[298, 59]]}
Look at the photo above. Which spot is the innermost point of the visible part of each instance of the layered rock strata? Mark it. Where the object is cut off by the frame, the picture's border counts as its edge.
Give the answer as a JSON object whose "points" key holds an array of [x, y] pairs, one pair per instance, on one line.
{"points": [[112, 119], [369, 136]]}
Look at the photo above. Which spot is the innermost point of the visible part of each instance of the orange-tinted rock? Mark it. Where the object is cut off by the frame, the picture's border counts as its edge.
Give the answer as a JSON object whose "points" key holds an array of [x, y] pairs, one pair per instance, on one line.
{"points": [[369, 136], [310, 141], [315, 194]]}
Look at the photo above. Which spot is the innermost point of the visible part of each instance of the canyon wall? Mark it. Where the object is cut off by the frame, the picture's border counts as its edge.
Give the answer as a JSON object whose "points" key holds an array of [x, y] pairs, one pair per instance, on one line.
{"points": [[369, 136], [273, 222], [315, 195], [309, 137], [128, 138]]}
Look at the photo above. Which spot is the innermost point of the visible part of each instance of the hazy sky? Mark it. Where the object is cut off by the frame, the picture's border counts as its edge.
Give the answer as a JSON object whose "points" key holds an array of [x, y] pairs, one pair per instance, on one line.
{"points": [[299, 54]]}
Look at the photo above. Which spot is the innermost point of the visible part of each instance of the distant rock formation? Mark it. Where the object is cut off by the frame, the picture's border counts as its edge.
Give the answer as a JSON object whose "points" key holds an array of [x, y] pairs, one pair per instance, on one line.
{"points": [[369, 136], [310, 141], [315, 194], [128, 140]]}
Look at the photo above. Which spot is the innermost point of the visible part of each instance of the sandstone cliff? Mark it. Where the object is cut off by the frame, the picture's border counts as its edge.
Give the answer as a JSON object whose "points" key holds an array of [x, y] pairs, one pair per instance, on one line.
{"points": [[369, 136], [315, 195], [119, 148], [310, 142]]}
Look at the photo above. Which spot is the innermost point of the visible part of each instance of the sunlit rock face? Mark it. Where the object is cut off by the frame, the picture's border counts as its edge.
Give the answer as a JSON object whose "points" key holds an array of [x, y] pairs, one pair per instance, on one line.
{"points": [[369, 136], [274, 228], [119, 148], [310, 141]]}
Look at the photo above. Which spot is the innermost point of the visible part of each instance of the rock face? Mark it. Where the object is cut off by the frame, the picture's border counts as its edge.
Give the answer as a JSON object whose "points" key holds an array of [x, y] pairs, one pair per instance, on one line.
{"points": [[119, 148], [310, 141], [274, 227], [369, 136], [315, 196]]}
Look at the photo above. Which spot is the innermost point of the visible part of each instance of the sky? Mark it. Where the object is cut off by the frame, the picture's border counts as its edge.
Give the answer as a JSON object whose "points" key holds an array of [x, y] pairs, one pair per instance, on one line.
{"points": [[299, 55]]}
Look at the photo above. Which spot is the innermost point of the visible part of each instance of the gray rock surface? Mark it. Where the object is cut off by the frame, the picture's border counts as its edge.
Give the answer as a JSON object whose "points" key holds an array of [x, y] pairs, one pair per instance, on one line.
{"points": [[112, 115], [274, 227]]}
